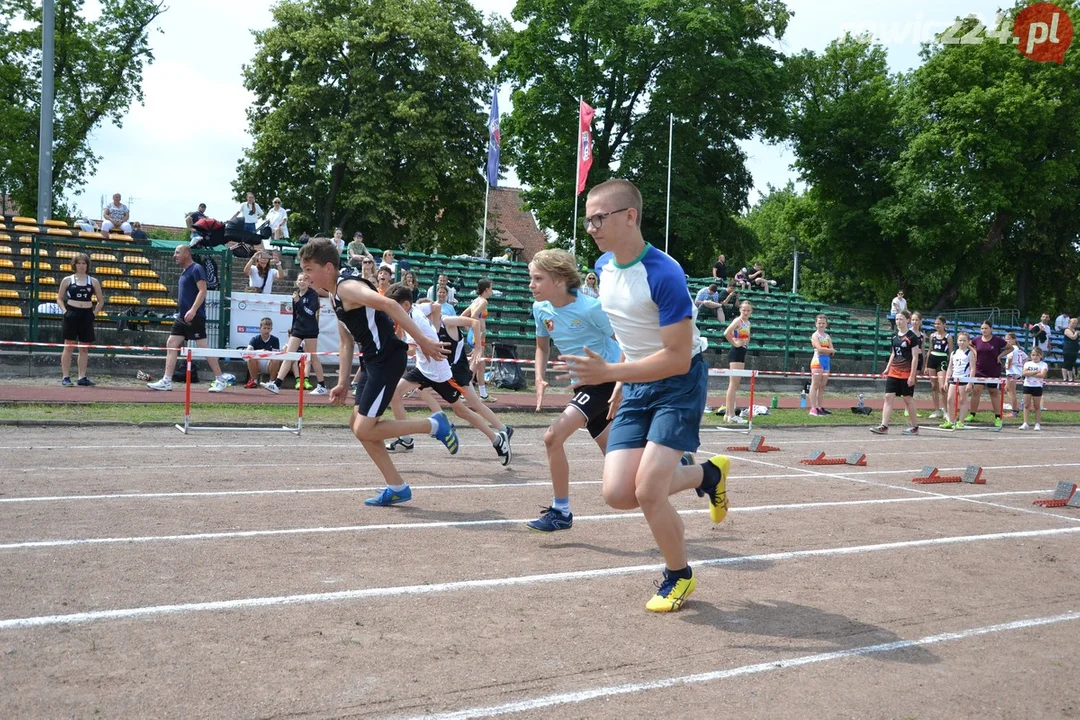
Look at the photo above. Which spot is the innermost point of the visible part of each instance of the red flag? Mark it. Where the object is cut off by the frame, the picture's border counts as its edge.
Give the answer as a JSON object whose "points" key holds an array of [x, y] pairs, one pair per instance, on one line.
{"points": [[585, 145]]}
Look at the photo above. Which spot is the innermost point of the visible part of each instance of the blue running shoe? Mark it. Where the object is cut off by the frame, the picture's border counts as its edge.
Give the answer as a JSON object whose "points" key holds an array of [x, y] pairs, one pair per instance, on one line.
{"points": [[66, 382], [509, 432], [390, 497], [687, 459], [445, 433], [551, 521]]}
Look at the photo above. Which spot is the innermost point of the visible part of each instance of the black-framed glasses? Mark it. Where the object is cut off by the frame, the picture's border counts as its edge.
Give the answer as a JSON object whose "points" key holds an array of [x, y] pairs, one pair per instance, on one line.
{"points": [[597, 220]]}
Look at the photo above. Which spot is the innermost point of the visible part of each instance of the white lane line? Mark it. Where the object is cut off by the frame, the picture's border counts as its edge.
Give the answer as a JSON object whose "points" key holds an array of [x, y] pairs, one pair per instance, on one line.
{"points": [[235, 534], [920, 491], [757, 668], [243, 444], [462, 585]]}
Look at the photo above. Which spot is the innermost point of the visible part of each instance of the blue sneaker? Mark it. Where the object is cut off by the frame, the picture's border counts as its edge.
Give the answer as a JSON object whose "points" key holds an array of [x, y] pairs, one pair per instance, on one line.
{"points": [[509, 432], [551, 521], [85, 382], [390, 497], [66, 382], [687, 459], [445, 433]]}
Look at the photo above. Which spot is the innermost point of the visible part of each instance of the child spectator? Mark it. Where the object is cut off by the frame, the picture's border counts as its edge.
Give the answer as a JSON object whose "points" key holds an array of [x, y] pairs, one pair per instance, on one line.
{"points": [[958, 376], [262, 269], [742, 280], [263, 342], [820, 365], [1014, 369], [1035, 371], [357, 250]]}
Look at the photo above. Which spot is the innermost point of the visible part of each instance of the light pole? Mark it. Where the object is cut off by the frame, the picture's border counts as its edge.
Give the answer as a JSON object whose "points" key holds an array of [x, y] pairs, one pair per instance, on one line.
{"points": [[795, 270]]}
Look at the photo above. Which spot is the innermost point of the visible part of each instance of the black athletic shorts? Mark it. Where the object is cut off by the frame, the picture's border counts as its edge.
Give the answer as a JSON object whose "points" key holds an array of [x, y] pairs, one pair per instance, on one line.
{"points": [[592, 402], [463, 374], [1033, 391], [448, 390], [898, 387], [939, 363], [194, 330], [79, 324], [379, 381], [736, 354]]}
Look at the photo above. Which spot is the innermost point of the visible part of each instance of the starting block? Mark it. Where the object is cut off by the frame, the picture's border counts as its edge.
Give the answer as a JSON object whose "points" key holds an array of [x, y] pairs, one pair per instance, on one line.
{"points": [[1064, 494], [757, 445], [929, 476], [817, 457]]}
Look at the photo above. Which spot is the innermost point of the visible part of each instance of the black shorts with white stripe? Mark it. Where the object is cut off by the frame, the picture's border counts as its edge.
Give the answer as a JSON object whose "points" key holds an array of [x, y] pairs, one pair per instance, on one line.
{"points": [[379, 380]]}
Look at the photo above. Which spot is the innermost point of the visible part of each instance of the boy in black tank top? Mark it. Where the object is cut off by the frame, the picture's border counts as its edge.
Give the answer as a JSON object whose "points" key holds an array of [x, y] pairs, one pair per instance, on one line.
{"points": [[368, 318]]}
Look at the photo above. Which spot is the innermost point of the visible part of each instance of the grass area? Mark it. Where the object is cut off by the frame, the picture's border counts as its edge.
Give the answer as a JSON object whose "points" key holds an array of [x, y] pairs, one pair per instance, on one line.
{"points": [[135, 413]]}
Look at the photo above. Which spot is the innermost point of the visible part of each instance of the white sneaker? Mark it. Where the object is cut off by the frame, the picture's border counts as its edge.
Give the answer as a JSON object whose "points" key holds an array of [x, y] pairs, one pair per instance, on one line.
{"points": [[271, 386], [935, 415], [1037, 426], [162, 384], [1025, 426], [737, 419], [320, 390], [217, 386], [228, 378]]}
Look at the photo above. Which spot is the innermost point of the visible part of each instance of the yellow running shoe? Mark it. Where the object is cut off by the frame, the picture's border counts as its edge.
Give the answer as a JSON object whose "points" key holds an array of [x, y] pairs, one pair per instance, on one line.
{"points": [[671, 594], [718, 504]]}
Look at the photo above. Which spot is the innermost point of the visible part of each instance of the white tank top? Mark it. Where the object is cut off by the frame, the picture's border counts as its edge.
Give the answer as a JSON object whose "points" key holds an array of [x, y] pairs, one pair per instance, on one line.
{"points": [[961, 365]]}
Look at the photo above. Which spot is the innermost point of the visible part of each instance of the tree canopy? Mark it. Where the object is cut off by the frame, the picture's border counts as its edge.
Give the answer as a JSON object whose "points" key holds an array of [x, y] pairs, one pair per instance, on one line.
{"points": [[97, 75], [369, 115]]}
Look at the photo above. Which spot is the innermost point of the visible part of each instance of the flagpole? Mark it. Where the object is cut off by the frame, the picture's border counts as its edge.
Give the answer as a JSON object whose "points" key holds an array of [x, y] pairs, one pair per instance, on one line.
{"points": [[483, 242], [667, 213], [577, 176]]}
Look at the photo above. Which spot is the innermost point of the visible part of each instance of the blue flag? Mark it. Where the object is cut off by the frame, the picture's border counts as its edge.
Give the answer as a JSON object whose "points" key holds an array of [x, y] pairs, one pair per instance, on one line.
{"points": [[494, 140]]}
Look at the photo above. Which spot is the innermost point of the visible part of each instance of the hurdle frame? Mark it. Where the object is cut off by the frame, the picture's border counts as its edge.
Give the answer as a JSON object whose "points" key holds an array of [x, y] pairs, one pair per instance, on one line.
{"points": [[191, 353], [740, 429]]}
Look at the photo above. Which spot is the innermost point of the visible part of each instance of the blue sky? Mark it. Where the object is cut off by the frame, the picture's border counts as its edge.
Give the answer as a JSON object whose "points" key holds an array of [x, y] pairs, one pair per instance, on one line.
{"points": [[181, 146]]}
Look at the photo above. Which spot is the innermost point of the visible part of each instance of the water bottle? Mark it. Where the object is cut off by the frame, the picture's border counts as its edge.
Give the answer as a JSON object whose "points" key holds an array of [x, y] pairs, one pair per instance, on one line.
{"points": [[861, 403], [775, 402], [802, 399]]}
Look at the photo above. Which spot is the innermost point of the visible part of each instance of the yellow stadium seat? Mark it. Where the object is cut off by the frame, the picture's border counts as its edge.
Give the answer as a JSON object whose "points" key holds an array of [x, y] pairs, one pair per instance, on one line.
{"points": [[27, 228], [26, 239], [5, 250], [143, 273], [5, 263], [115, 285], [56, 223], [136, 260], [4, 237], [90, 234], [46, 296], [106, 270], [152, 287], [42, 252], [11, 312], [161, 302], [7, 277], [44, 280], [65, 254], [124, 300], [120, 238], [102, 257], [27, 265], [59, 231], [7, 294], [23, 220], [64, 267]]}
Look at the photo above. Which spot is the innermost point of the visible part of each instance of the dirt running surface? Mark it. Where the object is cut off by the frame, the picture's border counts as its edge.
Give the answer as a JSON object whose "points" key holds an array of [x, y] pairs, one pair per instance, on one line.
{"points": [[144, 573]]}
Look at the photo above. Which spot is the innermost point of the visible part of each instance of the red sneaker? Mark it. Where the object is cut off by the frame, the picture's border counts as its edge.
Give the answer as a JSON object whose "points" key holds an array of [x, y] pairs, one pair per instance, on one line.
{"points": [[251, 384]]}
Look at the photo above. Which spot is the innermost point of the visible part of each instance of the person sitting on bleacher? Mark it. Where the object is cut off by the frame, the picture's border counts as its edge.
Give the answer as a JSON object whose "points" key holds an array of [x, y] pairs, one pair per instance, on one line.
{"points": [[443, 282], [193, 217], [357, 249], [115, 215], [709, 298], [758, 278], [138, 235]]}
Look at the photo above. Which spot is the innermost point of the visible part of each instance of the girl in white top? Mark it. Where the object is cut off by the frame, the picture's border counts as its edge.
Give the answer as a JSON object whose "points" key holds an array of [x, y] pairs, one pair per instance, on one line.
{"points": [[961, 365], [250, 211], [1035, 371], [1014, 369], [262, 269], [279, 220]]}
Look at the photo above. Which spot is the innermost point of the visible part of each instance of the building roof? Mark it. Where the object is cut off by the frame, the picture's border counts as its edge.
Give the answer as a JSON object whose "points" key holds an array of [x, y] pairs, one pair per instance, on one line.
{"points": [[512, 225]]}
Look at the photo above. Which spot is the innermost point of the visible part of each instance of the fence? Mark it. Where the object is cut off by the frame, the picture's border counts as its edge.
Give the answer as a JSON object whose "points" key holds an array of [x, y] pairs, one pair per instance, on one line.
{"points": [[139, 283]]}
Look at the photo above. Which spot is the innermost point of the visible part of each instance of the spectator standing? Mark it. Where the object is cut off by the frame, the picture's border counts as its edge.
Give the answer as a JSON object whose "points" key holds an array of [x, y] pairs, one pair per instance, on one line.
{"points": [[357, 250], [408, 279], [719, 270], [442, 282], [138, 234], [278, 218], [339, 240], [388, 263], [590, 288], [1069, 348], [74, 298], [262, 269], [250, 212], [367, 270], [1040, 334], [709, 298], [115, 215], [1062, 322], [305, 332], [190, 321], [1035, 371], [898, 305], [990, 349], [193, 217], [263, 342]]}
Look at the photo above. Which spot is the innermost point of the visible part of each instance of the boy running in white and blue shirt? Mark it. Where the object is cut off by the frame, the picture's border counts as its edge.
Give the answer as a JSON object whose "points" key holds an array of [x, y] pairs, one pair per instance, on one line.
{"points": [[663, 384], [574, 321]]}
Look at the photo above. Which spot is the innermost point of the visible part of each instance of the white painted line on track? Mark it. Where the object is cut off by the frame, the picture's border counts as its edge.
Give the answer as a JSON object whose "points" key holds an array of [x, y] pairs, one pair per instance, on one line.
{"points": [[241, 534], [462, 585], [917, 491], [579, 696], [242, 444]]}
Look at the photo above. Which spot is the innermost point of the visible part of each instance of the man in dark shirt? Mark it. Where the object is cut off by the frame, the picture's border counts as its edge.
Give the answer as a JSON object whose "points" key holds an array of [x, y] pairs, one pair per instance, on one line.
{"points": [[719, 270], [264, 342]]}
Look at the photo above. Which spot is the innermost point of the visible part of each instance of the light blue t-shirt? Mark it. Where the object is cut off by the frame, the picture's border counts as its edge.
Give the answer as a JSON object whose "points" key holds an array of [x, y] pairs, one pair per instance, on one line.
{"points": [[577, 325]]}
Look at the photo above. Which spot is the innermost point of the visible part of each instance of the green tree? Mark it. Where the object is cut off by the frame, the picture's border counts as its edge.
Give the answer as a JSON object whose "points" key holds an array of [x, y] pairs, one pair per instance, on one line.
{"points": [[636, 62], [98, 74], [370, 114]]}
